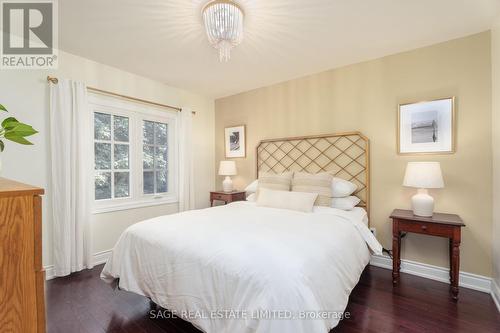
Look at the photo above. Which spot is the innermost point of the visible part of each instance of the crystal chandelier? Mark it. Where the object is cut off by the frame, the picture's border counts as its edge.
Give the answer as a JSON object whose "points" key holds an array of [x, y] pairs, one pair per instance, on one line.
{"points": [[224, 24]]}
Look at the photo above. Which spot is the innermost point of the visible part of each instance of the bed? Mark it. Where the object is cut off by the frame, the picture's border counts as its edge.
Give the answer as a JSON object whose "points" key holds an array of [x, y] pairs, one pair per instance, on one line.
{"points": [[245, 268]]}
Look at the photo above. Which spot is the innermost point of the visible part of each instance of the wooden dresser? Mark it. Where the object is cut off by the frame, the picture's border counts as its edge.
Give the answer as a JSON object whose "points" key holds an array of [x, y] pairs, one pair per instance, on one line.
{"points": [[22, 278]]}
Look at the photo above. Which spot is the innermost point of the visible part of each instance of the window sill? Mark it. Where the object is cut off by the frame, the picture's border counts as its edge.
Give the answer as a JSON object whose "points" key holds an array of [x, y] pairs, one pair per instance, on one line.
{"points": [[132, 205]]}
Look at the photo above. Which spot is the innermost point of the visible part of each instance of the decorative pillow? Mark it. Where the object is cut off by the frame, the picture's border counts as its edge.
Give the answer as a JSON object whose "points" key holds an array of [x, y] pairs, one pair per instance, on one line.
{"points": [[252, 187], [299, 201], [252, 197], [347, 203], [273, 181], [342, 188], [320, 183]]}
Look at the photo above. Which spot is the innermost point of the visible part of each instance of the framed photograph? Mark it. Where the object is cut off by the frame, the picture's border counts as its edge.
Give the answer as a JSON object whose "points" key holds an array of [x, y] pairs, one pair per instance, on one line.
{"points": [[427, 127], [235, 141]]}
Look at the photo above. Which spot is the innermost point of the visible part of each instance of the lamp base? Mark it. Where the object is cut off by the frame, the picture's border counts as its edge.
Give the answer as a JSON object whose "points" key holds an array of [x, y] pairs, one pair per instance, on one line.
{"points": [[227, 184], [422, 203]]}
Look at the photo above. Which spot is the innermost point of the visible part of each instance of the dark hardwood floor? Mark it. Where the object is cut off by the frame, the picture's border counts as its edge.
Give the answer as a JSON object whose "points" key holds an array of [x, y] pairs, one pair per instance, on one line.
{"points": [[83, 303]]}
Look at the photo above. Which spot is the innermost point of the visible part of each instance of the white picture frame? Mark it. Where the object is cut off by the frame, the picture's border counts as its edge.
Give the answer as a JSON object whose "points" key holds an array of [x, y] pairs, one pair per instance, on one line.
{"points": [[235, 141], [427, 127]]}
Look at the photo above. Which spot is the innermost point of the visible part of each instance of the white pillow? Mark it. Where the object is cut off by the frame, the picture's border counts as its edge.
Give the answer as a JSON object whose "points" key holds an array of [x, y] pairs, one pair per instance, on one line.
{"points": [[347, 203], [252, 197], [320, 183], [342, 188], [299, 201], [275, 181], [252, 187]]}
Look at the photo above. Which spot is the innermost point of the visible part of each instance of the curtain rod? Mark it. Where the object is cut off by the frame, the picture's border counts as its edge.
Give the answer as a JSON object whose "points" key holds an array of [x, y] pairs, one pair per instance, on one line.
{"points": [[55, 80]]}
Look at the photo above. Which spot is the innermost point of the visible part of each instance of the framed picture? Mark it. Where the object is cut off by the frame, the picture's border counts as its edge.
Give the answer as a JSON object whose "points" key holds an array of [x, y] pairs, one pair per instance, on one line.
{"points": [[235, 141], [427, 127]]}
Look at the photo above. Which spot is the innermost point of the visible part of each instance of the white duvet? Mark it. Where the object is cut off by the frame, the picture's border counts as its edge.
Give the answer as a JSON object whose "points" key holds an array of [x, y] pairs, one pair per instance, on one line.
{"points": [[240, 268]]}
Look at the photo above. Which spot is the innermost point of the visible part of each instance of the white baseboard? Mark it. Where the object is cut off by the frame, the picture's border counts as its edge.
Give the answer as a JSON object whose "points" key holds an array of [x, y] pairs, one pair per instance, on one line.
{"points": [[97, 259], [101, 257], [495, 293], [466, 280]]}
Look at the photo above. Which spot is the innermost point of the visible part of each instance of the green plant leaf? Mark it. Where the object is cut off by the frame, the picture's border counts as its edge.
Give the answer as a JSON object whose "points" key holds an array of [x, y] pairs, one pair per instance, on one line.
{"points": [[21, 129], [16, 138], [2, 146], [9, 122], [2, 108]]}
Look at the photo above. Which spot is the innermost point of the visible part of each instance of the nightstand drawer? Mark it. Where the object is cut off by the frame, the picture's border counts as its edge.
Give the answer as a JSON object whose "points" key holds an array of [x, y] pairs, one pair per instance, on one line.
{"points": [[433, 229], [227, 197], [219, 196]]}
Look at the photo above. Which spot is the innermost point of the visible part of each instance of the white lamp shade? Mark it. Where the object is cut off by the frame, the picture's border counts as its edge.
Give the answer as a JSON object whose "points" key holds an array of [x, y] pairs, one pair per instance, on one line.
{"points": [[423, 175], [227, 168]]}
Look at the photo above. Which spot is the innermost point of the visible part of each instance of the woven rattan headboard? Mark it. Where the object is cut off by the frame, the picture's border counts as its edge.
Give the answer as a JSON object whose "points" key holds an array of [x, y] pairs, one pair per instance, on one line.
{"points": [[345, 155]]}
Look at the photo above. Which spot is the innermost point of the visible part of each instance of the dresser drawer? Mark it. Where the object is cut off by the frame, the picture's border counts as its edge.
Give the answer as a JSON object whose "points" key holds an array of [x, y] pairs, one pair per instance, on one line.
{"points": [[433, 229]]}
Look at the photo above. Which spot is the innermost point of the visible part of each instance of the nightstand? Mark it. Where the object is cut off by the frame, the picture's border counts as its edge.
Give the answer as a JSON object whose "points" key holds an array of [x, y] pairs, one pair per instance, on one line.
{"points": [[227, 197], [441, 225]]}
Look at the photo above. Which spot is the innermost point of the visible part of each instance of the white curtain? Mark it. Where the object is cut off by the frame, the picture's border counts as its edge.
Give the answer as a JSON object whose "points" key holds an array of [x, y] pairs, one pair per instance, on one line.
{"points": [[72, 155], [186, 178]]}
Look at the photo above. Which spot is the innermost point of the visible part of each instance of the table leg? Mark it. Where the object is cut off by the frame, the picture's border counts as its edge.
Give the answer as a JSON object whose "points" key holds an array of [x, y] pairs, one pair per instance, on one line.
{"points": [[455, 263], [399, 252], [450, 249], [396, 256], [211, 203]]}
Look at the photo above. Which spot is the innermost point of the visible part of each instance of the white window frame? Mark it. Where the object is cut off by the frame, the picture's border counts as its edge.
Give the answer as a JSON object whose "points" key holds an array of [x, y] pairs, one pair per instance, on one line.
{"points": [[137, 114]]}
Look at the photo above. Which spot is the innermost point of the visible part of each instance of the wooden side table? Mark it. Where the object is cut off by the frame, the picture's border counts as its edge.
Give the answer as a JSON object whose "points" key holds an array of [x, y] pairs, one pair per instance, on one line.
{"points": [[441, 225], [227, 197]]}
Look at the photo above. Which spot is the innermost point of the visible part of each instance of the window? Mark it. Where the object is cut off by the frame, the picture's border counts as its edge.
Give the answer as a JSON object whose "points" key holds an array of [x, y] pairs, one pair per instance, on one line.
{"points": [[155, 157], [112, 158], [134, 154]]}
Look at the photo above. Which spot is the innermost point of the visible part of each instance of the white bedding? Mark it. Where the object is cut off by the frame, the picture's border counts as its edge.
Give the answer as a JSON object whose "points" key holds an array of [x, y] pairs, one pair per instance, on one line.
{"points": [[247, 259], [357, 213]]}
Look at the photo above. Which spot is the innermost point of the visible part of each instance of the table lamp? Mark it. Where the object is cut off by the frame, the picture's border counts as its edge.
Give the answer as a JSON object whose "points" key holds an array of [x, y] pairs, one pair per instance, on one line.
{"points": [[423, 175], [227, 168]]}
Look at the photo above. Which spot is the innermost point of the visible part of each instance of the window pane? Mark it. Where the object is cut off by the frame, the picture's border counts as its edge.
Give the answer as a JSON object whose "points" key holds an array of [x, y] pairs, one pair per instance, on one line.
{"points": [[147, 157], [102, 156], [103, 185], [161, 157], [122, 184], [148, 132], [149, 182], [121, 157], [161, 134], [120, 128], [161, 181], [102, 126]]}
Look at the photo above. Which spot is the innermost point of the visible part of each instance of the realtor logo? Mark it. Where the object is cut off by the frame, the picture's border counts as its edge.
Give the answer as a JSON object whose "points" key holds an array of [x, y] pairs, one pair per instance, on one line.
{"points": [[29, 34]]}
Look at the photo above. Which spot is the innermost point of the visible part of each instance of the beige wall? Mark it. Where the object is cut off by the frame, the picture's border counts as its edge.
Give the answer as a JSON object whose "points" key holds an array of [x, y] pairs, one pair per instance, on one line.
{"points": [[495, 63], [25, 93], [364, 97]]}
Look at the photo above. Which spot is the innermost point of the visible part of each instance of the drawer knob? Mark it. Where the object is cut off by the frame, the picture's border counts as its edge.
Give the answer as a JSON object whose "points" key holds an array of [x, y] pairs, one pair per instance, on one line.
{"points": [[424, 227]]}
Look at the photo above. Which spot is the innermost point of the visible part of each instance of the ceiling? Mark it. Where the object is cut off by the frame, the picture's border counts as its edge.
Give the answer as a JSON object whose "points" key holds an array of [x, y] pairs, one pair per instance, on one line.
{"points": [[284, 39]]}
